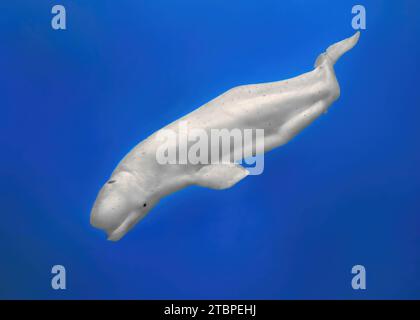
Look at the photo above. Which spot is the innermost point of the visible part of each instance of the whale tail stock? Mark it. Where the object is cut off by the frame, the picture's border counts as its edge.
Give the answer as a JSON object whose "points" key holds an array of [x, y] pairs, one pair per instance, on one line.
{"points": [[335, 51]]}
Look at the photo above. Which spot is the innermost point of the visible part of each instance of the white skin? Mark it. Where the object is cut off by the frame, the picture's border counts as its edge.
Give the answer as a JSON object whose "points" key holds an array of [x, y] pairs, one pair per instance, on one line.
{"points": [[282, 109]]}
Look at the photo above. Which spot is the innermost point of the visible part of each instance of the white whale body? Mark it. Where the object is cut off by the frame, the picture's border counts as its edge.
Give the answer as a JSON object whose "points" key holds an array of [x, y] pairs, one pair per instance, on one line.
{"points": [[282, 109]]}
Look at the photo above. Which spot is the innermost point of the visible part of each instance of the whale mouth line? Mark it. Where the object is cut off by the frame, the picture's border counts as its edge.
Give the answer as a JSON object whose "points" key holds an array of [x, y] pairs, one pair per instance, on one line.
{"points": [[118, 232], [125, 226], [114, 235]]}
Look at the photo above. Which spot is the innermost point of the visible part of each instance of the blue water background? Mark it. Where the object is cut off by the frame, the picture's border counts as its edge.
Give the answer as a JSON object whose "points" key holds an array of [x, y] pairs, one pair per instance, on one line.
{"points": [[344, 192]]}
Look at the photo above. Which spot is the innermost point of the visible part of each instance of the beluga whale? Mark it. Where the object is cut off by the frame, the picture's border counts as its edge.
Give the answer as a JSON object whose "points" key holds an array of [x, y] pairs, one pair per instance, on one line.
{"points": [[281, 109]]}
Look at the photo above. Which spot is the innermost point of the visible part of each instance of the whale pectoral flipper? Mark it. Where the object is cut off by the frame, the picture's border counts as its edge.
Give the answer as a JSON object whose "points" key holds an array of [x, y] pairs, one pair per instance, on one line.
{"points": [[220, 176]]}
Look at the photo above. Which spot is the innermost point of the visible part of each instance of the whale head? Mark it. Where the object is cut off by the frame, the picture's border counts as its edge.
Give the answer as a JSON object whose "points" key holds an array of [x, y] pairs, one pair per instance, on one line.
{"points": [[120, 204]]}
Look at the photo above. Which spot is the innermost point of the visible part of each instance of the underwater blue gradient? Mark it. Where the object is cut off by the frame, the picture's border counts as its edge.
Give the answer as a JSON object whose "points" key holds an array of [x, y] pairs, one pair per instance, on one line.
{"points": [[344, 192]]}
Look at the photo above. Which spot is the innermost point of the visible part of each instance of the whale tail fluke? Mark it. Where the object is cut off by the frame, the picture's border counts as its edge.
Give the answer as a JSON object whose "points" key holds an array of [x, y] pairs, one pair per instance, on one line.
{"points": [[335, 51]]}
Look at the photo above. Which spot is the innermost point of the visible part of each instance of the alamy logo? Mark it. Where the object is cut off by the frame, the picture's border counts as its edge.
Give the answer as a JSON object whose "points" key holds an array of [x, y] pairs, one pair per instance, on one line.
{"points": [[359, 20], [58, 22], [58, 282], [359, 280], [214, 146]]}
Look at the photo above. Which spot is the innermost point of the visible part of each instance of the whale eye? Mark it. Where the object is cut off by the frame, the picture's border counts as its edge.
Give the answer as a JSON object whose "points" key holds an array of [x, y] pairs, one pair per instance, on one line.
{"points": [[111, 181], [144, 204]]}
